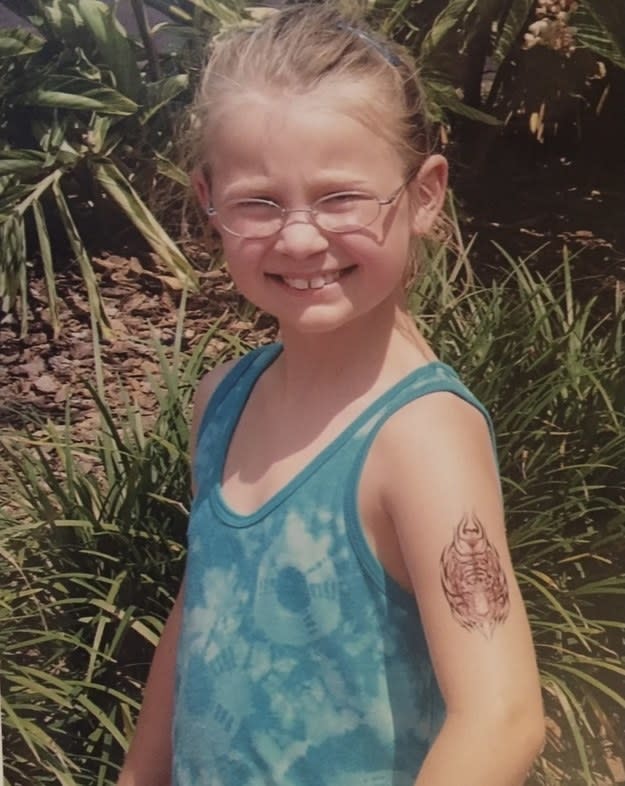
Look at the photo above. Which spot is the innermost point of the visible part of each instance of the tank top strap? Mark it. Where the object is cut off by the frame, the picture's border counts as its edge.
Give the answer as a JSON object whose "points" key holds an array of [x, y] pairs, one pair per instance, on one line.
{"points": [[222, 414], [232, 392], [436, 377]]}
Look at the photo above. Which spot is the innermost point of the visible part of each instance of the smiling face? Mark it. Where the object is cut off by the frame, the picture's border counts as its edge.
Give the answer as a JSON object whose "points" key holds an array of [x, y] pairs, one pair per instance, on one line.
{"points": [[295, 150]]}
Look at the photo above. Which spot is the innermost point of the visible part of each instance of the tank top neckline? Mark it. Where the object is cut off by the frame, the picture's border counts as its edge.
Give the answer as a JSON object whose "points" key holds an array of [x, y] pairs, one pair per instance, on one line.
{"points": [[251, 374]]}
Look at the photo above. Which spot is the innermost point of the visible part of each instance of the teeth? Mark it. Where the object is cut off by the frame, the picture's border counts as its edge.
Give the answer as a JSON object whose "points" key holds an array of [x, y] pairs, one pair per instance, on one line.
{"points": [[317, 282], [297, 283]]}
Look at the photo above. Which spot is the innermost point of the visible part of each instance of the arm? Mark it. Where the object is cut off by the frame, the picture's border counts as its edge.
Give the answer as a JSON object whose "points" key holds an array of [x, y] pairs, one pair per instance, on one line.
{"points": [[444, 501], [148, 762], [149, 758]]}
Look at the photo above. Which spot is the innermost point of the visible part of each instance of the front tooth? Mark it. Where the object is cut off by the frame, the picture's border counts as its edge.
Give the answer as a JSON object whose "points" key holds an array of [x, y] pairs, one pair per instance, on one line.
{"points": [[317, 282], [297, 283], [330, 278]]}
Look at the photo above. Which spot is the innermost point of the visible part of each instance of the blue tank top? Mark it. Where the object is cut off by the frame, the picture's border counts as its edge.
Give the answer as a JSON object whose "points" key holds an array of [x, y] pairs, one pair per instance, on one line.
{"points": [[301, 662]]}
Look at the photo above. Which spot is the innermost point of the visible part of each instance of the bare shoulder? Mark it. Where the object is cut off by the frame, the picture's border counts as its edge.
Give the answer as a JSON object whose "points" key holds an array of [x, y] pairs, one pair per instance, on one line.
{"points": [[203, 394], [438, 437]]}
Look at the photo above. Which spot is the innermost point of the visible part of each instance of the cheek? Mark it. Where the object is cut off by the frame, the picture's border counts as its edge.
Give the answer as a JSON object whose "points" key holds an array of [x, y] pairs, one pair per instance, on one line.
{"points": [[244, 262]]}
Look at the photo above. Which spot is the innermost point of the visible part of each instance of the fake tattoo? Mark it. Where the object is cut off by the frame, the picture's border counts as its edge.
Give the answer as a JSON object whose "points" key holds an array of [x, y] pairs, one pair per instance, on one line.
{"points": [[473, 579]]}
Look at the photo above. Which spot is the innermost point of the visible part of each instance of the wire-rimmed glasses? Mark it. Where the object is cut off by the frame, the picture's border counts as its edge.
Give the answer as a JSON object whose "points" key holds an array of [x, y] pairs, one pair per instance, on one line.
{"points": [[341, 212]]}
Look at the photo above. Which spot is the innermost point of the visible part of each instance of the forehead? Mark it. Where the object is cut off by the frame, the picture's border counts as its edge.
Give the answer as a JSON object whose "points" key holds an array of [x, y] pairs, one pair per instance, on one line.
{"points": [[275, 135]]}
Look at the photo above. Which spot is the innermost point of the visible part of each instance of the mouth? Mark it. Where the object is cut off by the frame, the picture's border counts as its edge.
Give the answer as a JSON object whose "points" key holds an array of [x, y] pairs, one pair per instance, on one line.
{"points": [[317, 281]]}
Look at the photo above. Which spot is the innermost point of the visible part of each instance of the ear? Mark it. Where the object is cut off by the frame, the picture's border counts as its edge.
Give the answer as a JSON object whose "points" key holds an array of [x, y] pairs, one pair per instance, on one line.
{"points": [[201, 187], [427, 192]]}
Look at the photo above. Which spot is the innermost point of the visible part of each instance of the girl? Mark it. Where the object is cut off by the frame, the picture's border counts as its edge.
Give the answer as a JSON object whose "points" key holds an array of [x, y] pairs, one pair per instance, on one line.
{"points": [[349, 615]]}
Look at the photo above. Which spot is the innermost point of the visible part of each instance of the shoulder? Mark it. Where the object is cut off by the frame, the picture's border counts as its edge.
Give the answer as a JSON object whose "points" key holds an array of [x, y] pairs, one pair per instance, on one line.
{"points": [[435, 463], [438, 433], [203, 394]]}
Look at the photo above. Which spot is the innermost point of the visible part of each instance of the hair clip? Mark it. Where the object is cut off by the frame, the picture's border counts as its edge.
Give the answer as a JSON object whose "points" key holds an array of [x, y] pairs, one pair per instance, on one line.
{"points": [[386, 53]]}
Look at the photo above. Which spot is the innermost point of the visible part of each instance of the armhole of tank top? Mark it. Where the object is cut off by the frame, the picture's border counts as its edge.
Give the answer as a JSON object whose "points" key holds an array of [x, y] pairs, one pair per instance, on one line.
{"points": [[369, 563]]}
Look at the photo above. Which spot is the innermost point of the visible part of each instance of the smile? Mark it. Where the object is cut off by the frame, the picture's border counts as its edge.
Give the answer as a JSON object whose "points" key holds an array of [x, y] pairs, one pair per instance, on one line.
{"points": [[314, 282]]}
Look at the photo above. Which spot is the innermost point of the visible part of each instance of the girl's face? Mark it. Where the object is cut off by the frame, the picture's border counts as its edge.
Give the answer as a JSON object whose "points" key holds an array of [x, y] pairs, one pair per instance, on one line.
{"points": [[295, 150]]}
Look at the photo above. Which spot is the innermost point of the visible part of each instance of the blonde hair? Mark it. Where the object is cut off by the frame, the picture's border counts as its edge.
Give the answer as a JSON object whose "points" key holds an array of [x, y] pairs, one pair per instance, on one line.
{"points": [[309, 46]]}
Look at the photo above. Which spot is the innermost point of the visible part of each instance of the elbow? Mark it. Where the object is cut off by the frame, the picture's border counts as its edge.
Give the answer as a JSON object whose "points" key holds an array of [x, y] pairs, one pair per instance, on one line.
{"points": [[534, 733], [514, 730], [523, 724]]}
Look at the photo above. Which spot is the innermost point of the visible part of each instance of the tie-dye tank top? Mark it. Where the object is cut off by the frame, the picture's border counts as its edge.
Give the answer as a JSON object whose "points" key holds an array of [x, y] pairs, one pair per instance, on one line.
{"points": [[301, 662]]}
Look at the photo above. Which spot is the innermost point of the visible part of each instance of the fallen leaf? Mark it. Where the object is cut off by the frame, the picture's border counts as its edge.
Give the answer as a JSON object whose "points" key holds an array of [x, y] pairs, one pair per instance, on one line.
{"points": [[46, 384], [81, 350], [34, 368], [172, 282]]}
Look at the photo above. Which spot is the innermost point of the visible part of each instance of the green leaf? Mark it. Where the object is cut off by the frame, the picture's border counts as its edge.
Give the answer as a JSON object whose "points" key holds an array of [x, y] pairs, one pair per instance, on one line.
{"points": [[21, 162], [448, 21], [572, 710], [583, 675], [226, 13], [510, 27], [113, 45], [162, 93], [119, 189], [45, 250], [19, 43], [444, 95], [86, 269], [95, 99], [600, 26], [61, 20], [171, 10], [167, 168]]}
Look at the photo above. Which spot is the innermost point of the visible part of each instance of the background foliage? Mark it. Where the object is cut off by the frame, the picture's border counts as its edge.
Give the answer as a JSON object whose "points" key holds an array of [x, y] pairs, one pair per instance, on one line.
{"points": [[91, 533]]}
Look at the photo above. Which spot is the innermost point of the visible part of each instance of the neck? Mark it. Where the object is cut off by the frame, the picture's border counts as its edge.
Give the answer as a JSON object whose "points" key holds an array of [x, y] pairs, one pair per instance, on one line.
{"points": [[358, 357]]}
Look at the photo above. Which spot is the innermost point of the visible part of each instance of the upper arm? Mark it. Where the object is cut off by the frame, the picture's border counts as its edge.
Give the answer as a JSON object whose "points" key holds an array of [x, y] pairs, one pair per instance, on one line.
{"points": [[443, 497]]}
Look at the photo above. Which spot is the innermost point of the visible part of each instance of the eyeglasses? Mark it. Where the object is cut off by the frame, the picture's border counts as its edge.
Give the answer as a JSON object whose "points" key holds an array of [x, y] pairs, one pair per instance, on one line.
{"points": [[345, 211]]}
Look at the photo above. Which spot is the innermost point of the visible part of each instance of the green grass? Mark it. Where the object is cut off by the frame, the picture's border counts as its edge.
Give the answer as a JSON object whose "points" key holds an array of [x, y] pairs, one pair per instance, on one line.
{"points": [[91, 534], [550, 368]]}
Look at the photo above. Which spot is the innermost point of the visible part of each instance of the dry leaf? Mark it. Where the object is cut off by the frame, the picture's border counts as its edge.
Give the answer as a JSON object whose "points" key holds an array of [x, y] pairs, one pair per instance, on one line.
{"points": [[34, 368], [46, 384], [172, 282]]}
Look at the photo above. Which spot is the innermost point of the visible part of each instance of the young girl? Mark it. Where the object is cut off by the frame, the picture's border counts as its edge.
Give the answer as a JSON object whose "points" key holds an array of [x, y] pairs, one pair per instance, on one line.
{"points": [[349, 615]]}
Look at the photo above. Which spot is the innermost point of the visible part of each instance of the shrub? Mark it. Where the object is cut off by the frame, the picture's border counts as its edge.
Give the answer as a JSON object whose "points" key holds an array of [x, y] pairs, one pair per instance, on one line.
{"points": [[91, 534]]}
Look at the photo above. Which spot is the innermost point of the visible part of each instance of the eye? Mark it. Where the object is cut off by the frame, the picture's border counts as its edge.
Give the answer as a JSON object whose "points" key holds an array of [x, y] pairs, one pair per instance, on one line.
{"points": [[343, 201], [253, 202], [253, 207]]}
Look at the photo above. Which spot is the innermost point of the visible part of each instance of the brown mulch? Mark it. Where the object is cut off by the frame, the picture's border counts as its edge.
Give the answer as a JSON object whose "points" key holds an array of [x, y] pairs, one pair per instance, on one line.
{"points": [[41, 375]]}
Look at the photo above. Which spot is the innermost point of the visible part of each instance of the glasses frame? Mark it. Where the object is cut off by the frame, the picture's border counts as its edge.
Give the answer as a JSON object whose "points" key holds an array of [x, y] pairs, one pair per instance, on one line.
{"points": [[312, 211]]}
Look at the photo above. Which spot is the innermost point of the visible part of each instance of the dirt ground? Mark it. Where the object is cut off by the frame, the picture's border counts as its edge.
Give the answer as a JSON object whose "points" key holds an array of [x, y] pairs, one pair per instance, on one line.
{"points": [[40, 375]]}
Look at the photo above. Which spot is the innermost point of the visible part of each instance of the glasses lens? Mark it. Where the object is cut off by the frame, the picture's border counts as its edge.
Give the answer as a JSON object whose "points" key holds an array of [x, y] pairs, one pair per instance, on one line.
{"points": [[251, 218], [346, 212]]}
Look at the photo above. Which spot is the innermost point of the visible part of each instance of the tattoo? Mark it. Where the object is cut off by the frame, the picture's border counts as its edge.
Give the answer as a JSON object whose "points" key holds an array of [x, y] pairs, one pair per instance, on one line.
{"points": [[473, 579]]}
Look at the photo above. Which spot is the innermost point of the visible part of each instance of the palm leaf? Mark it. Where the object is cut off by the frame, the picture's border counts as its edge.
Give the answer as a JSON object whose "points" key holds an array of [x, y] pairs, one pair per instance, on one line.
{"points": [[48, 266], [81, 95], [120, 190], [448, 21], [116, 50], [442, 94], [600, 26], [509, 28], [97, 308], [160, 94]]}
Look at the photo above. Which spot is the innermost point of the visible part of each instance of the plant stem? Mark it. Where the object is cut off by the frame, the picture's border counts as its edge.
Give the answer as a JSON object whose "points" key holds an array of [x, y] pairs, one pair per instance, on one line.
{"points": [[146, 36]]}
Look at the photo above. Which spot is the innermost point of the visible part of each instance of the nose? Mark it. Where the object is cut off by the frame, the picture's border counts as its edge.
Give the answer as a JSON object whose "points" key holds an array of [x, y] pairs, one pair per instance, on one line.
{"points": [[300, 236]]}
